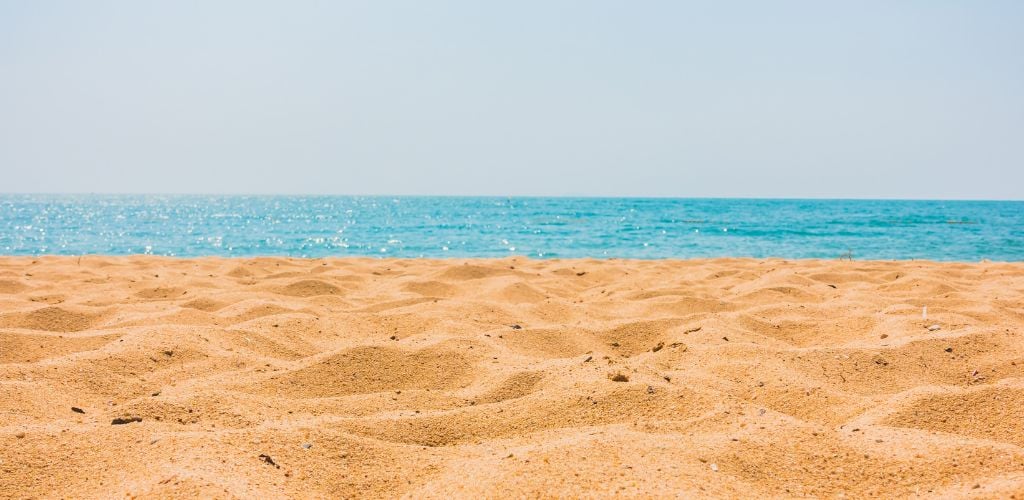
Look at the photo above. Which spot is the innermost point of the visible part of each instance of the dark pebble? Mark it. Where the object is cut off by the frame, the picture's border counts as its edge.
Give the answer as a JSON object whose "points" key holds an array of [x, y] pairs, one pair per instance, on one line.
{"points": [[125, 420], [270, 461]]}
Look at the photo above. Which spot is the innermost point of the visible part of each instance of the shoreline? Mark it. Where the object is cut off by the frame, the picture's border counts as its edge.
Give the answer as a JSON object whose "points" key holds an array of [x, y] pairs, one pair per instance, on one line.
{"points": [[362, 376], [454, 259]]}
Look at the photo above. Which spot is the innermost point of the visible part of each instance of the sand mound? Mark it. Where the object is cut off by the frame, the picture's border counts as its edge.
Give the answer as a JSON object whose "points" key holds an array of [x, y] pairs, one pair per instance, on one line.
{"points": [[685, 305], [309, 288], [521, 417], [51, 319], [635, 337], [373, 369], [431, 288], [466, 272], [246, 311], [26, 348], [273, 377], [990, 413], [12, 286], [161, 292], [790, 324], [205, 304], [241, 272], [549, 342], [519, 385], [519, 293]]}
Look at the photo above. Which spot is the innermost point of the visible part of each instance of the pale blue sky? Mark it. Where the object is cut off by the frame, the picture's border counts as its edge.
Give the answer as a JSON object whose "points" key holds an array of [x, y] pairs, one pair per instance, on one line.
{"points": [[883, 99]]}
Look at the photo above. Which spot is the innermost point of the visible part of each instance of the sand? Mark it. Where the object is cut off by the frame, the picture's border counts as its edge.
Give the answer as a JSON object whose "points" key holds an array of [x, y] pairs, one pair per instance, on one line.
{"points": [[273, 377]]}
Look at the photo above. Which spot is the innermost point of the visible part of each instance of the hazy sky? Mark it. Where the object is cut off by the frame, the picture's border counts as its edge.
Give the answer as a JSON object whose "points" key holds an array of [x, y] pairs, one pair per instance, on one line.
{"points": [[906, 99]]}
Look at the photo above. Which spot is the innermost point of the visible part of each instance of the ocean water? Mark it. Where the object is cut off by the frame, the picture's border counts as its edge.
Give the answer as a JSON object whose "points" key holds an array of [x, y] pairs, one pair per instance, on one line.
{"points": [[315, 226]]}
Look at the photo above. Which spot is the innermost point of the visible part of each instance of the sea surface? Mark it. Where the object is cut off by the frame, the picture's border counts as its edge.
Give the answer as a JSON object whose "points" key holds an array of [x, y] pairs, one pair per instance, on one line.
{"points": [[316, 226]]}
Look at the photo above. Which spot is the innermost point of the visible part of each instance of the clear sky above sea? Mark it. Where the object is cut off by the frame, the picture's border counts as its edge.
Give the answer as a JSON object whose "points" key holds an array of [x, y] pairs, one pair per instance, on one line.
{"points": [[878, 99]]}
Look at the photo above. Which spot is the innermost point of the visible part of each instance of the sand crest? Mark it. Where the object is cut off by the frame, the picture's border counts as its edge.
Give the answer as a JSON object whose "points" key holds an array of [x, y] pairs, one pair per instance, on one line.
{"points": [[274, 377]]}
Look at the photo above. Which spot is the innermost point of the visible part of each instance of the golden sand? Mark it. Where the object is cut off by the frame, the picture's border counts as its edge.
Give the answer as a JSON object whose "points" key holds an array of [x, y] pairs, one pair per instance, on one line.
{"points": [[262, 378]]}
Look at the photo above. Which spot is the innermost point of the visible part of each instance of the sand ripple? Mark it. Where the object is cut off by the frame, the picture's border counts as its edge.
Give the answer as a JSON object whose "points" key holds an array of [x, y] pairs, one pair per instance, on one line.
{"points": [[276, 377]]}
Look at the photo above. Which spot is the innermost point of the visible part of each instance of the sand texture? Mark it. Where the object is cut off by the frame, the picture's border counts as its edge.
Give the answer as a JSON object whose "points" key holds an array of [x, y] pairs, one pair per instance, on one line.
{"points": [[271, 377]]}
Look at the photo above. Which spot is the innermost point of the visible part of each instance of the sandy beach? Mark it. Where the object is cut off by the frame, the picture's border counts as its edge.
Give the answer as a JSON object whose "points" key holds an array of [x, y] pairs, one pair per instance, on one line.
{"points": [[277, 377]]}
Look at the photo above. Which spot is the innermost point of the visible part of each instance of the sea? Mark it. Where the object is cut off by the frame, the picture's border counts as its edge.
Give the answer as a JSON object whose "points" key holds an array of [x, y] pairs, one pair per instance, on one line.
{"points": [[460, 227]]}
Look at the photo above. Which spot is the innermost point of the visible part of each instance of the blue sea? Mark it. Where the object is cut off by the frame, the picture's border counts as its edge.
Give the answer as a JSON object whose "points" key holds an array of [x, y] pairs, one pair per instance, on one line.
{"points": [[316, 226]]}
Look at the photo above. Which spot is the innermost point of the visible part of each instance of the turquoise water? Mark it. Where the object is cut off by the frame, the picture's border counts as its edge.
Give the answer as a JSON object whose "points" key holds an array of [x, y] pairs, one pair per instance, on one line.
{"points": [[305, 226]]}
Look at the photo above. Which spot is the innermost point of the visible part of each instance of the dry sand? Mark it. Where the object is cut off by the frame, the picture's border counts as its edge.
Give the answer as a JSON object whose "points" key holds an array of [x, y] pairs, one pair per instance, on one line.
{"points": [[270, 377]]}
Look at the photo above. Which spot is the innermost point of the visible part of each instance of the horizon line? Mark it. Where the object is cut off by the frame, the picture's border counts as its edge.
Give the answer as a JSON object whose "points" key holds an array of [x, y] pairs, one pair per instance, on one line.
{"points": [[499, 196]]}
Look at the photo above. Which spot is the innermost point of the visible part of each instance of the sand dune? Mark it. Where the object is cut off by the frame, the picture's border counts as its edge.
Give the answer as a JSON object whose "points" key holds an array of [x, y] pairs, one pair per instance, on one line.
{"points": [[273, 377]]}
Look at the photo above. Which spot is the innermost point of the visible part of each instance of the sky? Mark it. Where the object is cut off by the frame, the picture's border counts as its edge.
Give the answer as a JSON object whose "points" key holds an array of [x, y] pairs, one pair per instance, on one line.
{"points": [[787, 99]]}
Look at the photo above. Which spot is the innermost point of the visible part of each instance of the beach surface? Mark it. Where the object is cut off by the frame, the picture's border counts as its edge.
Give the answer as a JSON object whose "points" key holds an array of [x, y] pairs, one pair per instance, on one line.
{"points": [[276, 377]]}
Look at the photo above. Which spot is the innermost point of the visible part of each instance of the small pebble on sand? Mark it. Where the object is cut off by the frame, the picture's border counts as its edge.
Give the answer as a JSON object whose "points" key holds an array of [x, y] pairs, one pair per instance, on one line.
{"points": [[125, 420]]}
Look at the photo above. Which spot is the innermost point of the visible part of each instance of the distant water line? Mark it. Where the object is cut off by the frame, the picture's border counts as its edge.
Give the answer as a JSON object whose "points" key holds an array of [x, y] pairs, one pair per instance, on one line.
{"points": [[319, 226]]}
